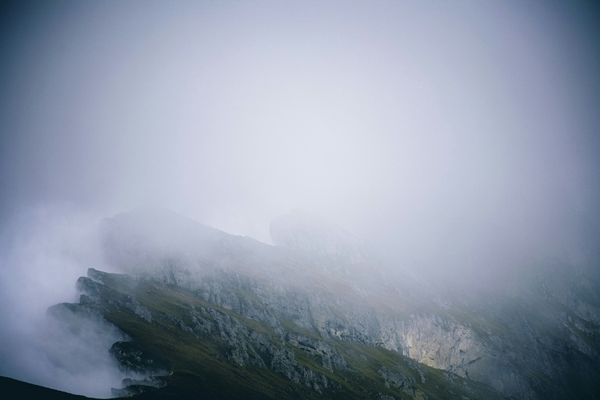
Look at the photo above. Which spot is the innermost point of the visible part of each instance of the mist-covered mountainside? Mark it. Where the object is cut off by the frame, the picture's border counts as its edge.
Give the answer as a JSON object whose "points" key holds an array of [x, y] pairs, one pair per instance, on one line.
{"points": [[210, 314], [243, 346]]}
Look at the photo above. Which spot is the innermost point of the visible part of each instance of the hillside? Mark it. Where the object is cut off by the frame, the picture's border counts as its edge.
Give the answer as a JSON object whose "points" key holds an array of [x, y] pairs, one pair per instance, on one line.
{"points": [[229, 317]]}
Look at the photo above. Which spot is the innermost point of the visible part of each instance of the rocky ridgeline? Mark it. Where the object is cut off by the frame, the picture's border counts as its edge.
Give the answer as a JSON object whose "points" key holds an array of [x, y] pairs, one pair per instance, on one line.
{"points": [[247, 328], [286, 309], [244, 346]]}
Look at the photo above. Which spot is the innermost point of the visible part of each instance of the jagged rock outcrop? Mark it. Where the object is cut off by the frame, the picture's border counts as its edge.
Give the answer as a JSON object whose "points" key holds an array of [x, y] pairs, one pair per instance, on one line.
{"points": [[182, 330], [304, 295]]}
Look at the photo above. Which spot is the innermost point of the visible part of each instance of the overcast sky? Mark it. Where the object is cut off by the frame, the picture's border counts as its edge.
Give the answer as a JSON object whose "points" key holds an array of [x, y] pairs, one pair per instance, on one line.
{"points": [[446, 131], [457, 139]]}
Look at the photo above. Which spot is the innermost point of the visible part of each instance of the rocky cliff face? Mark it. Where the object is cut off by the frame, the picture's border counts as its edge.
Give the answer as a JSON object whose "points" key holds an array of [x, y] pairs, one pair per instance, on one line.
{"points": [[285, 311], [187, 342]]}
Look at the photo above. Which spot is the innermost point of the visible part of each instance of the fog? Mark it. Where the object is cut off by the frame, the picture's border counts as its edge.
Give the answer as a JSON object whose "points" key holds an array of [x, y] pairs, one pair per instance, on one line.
{"points": [[458, 140], [44, 251]]}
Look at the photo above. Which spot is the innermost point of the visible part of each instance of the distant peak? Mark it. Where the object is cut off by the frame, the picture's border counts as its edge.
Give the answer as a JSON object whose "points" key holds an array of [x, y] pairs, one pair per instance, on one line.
{"points": [[302, 231]]}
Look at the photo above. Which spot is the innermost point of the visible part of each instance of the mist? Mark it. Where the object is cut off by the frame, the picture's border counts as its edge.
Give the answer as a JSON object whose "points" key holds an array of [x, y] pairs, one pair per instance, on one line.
{"points": [[458, 141], [44, 251]]}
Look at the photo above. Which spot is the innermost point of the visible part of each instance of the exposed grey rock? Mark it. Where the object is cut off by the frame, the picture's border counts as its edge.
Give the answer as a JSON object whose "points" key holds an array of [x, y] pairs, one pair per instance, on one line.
{"points": [[309, 287]]}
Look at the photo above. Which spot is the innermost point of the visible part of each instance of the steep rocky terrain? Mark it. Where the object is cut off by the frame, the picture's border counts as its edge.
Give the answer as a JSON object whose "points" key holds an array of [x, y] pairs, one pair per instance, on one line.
{"points": [[315, 317], [189, 344]]}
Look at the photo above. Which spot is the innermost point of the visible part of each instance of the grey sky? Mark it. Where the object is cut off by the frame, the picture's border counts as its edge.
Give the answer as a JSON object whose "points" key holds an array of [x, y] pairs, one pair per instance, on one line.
{"points": [[458, 139], [447, 134]]}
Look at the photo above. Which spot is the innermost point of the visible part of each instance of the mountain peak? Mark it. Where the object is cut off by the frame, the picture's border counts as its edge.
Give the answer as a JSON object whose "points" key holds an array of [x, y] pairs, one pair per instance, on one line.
{"points": [[309, 233]]}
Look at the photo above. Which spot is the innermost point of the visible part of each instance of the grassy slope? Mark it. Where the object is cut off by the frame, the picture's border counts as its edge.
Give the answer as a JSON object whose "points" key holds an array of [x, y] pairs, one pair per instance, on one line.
{"points": [[200, 367]]}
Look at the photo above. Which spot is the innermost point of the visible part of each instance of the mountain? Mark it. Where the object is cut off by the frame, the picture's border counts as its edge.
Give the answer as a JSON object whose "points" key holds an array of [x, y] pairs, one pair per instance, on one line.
{"points": [[191, 344], [314, 317]]}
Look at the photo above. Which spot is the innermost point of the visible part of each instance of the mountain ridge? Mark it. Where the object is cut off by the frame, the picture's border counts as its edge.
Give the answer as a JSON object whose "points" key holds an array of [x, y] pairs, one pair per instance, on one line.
{"points": [[531, 346]]}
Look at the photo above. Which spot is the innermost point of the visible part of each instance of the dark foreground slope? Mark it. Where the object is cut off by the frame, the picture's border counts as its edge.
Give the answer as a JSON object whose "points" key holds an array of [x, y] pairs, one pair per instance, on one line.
{"points": [[189, 347], [14, 389]]}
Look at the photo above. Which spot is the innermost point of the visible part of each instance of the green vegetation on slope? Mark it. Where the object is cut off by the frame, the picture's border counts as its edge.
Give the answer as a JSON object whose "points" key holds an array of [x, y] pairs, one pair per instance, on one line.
{"points": [[214, 352]]}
